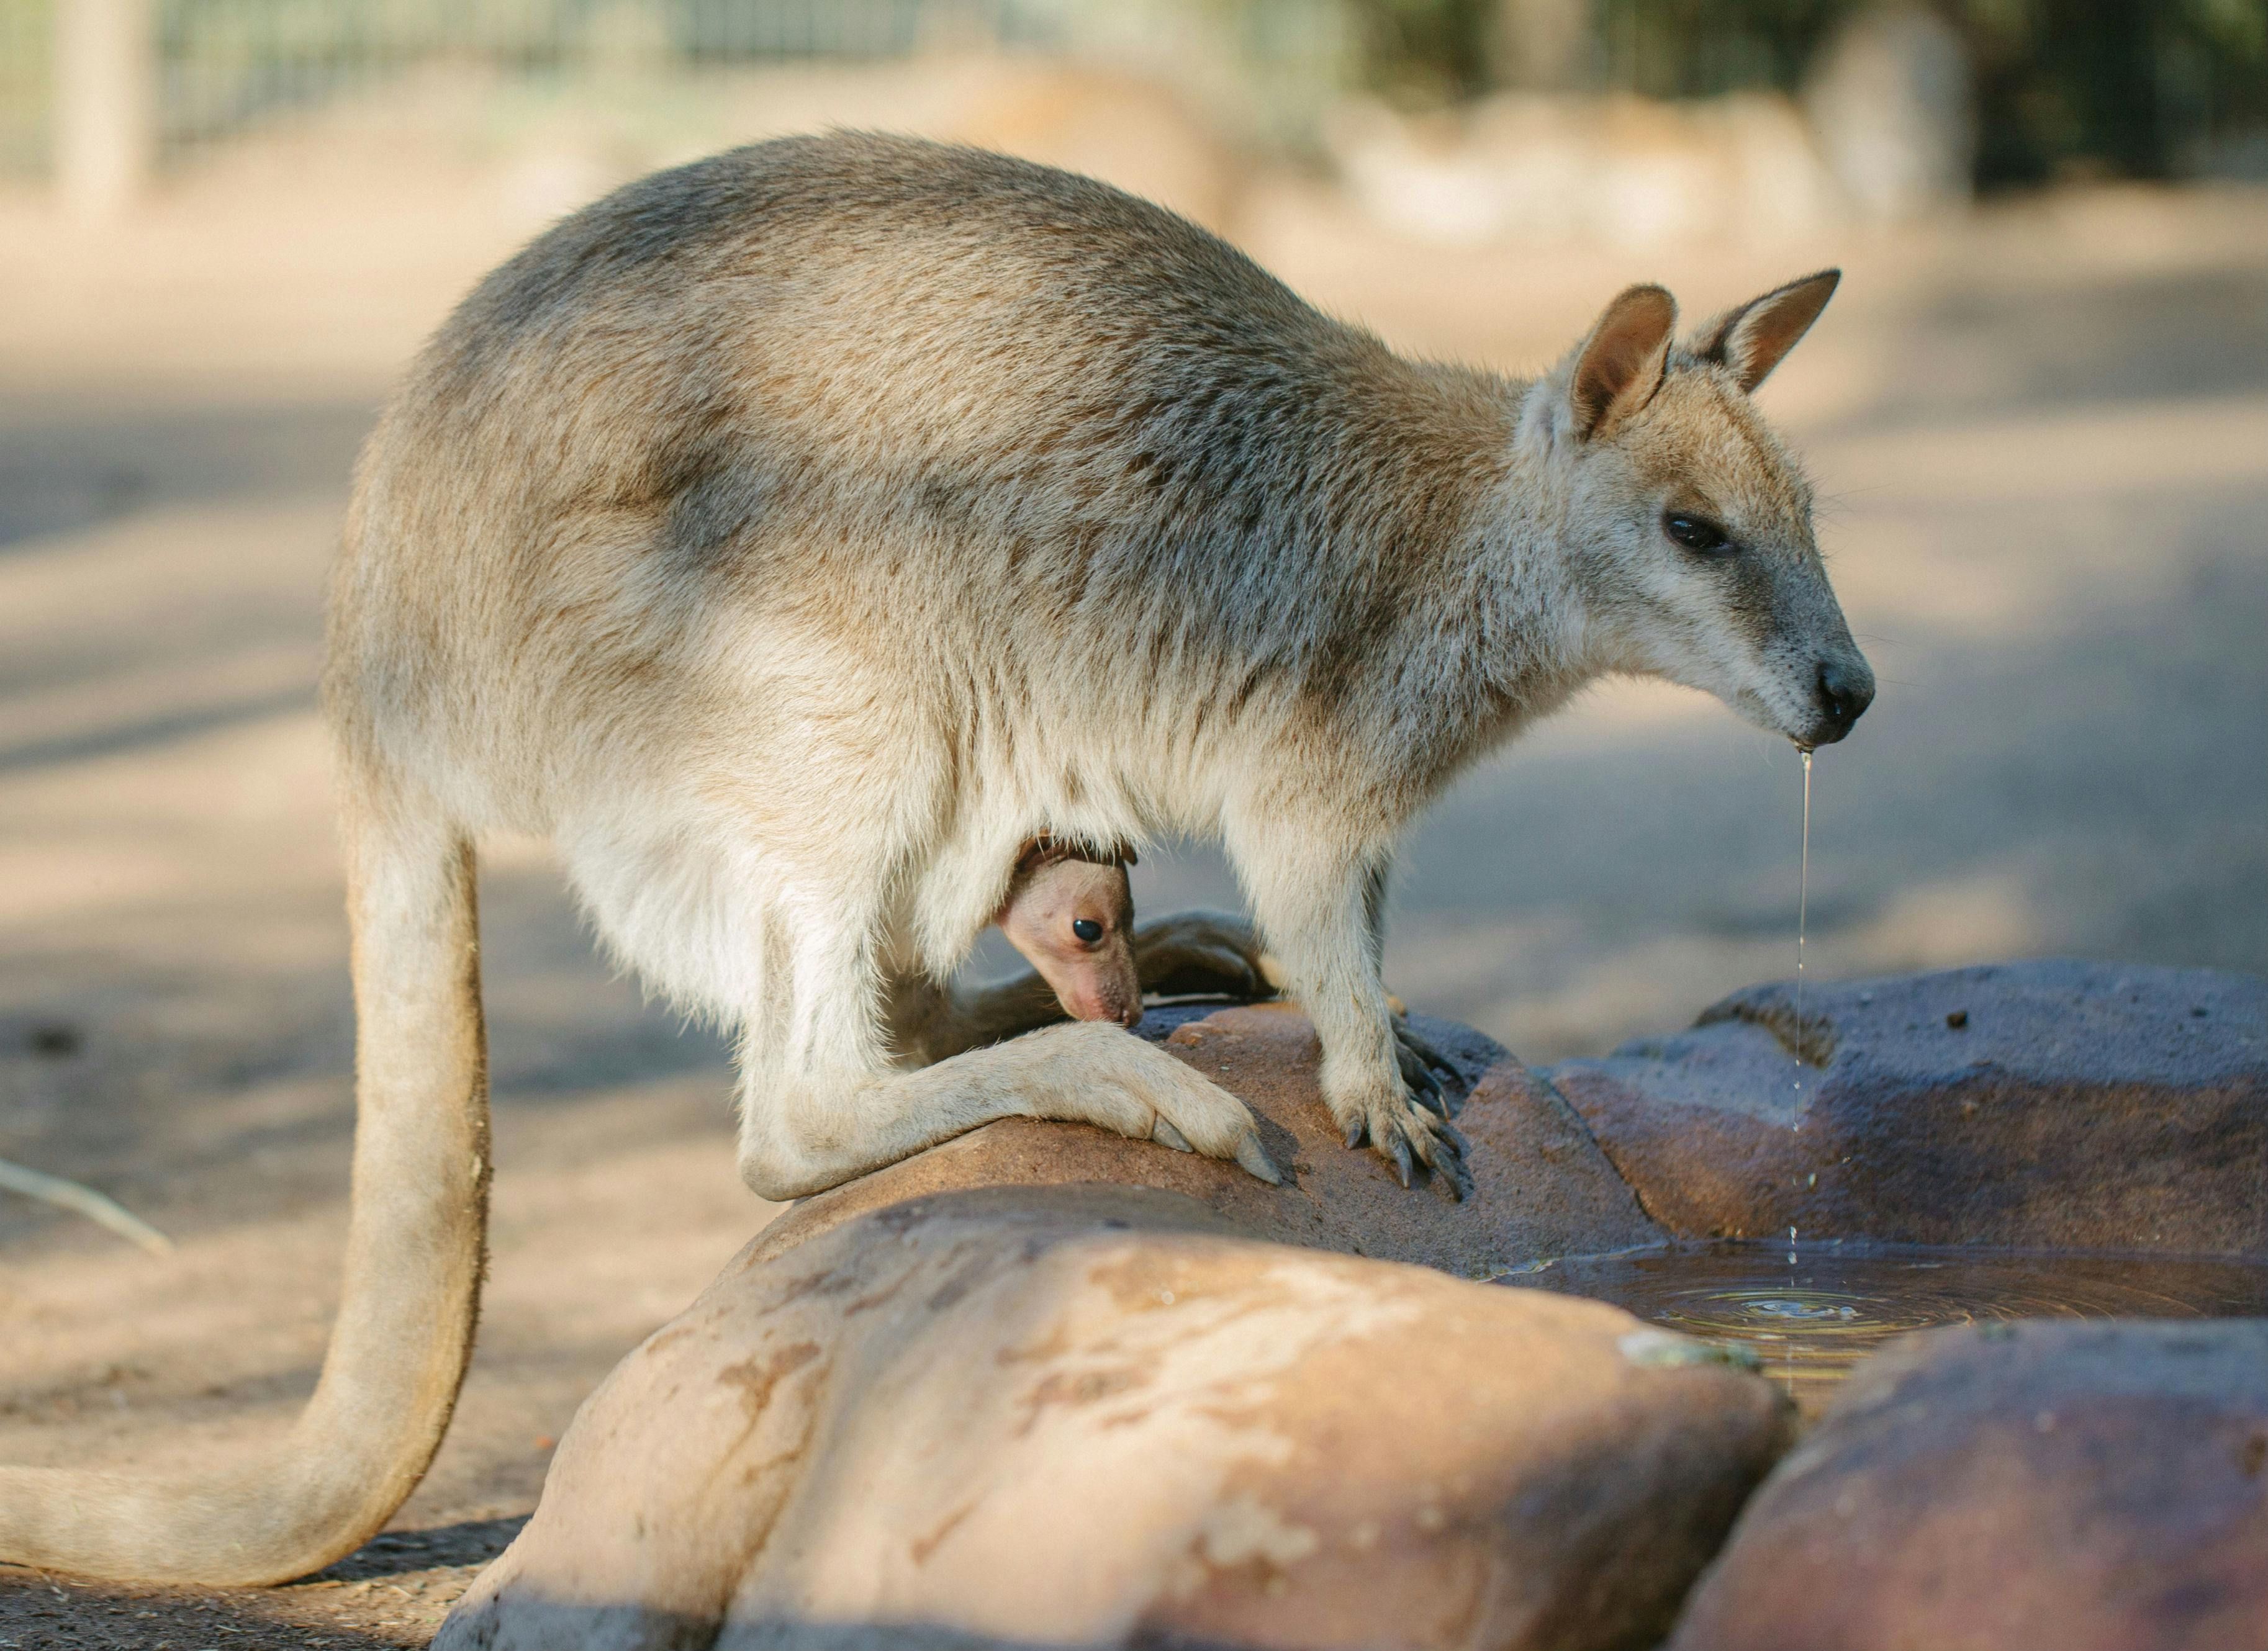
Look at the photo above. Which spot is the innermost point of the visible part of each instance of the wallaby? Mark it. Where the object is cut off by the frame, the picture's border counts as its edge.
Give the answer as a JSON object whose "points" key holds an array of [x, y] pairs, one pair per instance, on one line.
{"points": [[1070, 911], [794, 535]]}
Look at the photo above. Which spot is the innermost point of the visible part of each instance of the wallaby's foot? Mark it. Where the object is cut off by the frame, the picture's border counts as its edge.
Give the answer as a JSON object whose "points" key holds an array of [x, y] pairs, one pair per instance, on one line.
{"points": [[1146, 1094], [1406, 1132], [1207, 953], [1419, 1061], [1202, 1117]]}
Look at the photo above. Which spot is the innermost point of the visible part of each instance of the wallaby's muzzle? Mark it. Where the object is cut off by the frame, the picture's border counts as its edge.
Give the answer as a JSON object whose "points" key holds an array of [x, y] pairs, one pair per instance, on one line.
{"points": [[1844, 688]]}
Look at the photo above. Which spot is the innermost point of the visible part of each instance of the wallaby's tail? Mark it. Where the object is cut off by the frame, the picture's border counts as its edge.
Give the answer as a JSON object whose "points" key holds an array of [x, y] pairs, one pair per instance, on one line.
{"points": [[413, 1262]]}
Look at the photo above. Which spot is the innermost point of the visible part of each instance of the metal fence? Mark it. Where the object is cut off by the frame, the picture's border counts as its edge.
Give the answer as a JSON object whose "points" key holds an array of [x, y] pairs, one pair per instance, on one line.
{"points": [[26, 90], [2140, 86], [206, 71], [229, 64]]}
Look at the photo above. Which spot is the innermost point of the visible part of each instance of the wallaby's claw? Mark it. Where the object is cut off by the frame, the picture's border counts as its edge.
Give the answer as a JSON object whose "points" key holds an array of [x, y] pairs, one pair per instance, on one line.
{"points": [[1406, 1132], [1422, 1048], [1419, 1061], [1425, 1087], [1190, 1113], [1444, 1155], [1254, 1158], [1440, 1145]]}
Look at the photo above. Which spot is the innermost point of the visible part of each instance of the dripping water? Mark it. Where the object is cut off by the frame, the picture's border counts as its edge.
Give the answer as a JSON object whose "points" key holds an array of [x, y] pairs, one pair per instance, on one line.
{"points": [[1803, 911]]}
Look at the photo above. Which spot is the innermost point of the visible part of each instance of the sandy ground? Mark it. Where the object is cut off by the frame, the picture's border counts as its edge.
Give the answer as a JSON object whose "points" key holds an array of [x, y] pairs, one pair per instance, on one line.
{"points": [[2044, 433]]}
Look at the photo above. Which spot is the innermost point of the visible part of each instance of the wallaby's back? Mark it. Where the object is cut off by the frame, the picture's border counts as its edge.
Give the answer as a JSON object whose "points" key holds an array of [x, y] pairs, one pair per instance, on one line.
{"points": [[851, 381]]}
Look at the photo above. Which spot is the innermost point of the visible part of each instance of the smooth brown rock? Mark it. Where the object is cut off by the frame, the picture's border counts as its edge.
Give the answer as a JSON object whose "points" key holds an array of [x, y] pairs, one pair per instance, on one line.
{"points": [[1541, 1186], [2047, 1103], [1088, 1416], [2033, 1486]]}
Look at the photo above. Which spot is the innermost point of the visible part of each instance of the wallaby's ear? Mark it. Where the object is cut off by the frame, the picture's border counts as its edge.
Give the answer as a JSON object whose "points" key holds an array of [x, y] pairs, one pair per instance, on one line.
{"points": [[1621, 363], [1751, 338]]}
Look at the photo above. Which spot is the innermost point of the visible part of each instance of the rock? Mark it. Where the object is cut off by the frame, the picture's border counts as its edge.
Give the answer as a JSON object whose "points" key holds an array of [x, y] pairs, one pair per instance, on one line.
{"points": [[1541, 1186], [2051, 1104], [2034, 1486], [1093, 1416]]}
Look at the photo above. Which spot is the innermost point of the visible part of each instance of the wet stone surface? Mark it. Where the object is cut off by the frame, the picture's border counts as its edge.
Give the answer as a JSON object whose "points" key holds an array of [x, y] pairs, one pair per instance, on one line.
{"points": [[1811, 1314], [2012, 1486], [1542, 1187], [2047, 1105]]}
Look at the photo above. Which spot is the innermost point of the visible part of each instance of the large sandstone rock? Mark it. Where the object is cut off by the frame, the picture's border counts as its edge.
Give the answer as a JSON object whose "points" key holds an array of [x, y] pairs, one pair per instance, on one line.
{"points": [[1095, 1416], [2035, 1486], [2045, 1103], [1541, 1185]]}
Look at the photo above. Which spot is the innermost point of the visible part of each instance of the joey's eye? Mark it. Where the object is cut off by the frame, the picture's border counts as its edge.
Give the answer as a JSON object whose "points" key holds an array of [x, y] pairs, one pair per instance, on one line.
{"points": [[1697, 534], [1087, 928]]}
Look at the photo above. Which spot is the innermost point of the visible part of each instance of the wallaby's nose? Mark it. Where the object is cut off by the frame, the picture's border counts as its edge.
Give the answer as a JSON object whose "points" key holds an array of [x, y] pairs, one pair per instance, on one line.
{"points": [[1844, 694]]}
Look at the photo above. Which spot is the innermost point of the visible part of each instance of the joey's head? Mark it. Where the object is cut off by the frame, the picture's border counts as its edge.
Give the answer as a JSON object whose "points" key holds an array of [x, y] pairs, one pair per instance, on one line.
{"points": [[1070, 912], [1687, 525]]}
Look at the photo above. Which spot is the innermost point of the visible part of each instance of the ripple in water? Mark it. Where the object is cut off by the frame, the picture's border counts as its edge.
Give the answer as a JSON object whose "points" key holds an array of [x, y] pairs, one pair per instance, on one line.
{"points": [[1808, 1316]]}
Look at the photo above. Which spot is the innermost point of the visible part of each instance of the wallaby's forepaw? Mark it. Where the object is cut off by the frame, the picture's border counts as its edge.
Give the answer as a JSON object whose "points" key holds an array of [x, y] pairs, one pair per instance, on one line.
{"points": [[1207, 953], [1420, 1061], [1190, 1113], [1406, 1132]]}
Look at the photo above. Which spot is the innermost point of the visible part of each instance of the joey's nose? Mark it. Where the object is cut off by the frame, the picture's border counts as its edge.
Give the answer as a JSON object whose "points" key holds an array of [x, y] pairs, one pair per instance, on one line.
{"points": [[1845, 691]]}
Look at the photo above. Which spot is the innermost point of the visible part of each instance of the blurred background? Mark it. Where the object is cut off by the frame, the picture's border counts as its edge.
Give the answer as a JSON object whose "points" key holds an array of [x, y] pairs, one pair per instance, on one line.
{"points": [[2037, 413]]}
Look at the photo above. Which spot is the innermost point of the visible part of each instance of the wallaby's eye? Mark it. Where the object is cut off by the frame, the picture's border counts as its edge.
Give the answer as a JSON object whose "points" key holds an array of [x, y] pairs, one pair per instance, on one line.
{"points": [[1697, 534], [1087, 928]]}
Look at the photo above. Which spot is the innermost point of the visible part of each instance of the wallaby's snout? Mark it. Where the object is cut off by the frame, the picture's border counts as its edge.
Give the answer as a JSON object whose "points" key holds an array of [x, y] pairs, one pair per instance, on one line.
{"points": [[1846, 689], [1692, 525]]}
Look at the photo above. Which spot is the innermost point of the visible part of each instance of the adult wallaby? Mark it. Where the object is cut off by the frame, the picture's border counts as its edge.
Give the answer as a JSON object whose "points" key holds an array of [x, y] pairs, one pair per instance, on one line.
{"points": [[794, 535]]}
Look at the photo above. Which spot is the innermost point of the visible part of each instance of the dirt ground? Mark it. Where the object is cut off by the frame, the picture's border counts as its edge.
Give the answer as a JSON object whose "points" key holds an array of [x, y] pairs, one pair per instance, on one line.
{"points": [[2043, 432]]}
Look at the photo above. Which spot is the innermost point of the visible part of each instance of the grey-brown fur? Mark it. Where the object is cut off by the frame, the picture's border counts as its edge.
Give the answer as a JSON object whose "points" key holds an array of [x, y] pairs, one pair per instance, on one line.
{"points": [[793, 535]]}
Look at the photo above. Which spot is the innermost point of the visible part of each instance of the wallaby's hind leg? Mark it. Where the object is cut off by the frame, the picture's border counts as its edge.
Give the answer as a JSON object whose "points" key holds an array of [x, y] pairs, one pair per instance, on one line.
{"points": [[821, 1101], [1324, 921], [804, 1131]]}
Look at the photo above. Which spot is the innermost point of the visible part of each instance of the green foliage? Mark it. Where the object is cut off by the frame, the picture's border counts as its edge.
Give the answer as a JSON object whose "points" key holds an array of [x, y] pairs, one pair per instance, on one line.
{"points": [[2120, 86], [1424, 52], [1692, 48], [2139, 87]]}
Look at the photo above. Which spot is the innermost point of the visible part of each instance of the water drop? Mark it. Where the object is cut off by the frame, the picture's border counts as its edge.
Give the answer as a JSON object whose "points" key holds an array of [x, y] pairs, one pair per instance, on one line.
{"points": [[1802, 912]]}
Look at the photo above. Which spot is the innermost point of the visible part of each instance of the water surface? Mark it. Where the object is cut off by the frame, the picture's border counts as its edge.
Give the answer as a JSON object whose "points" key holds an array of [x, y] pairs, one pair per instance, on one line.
{"points": [[1809, 1313]]}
